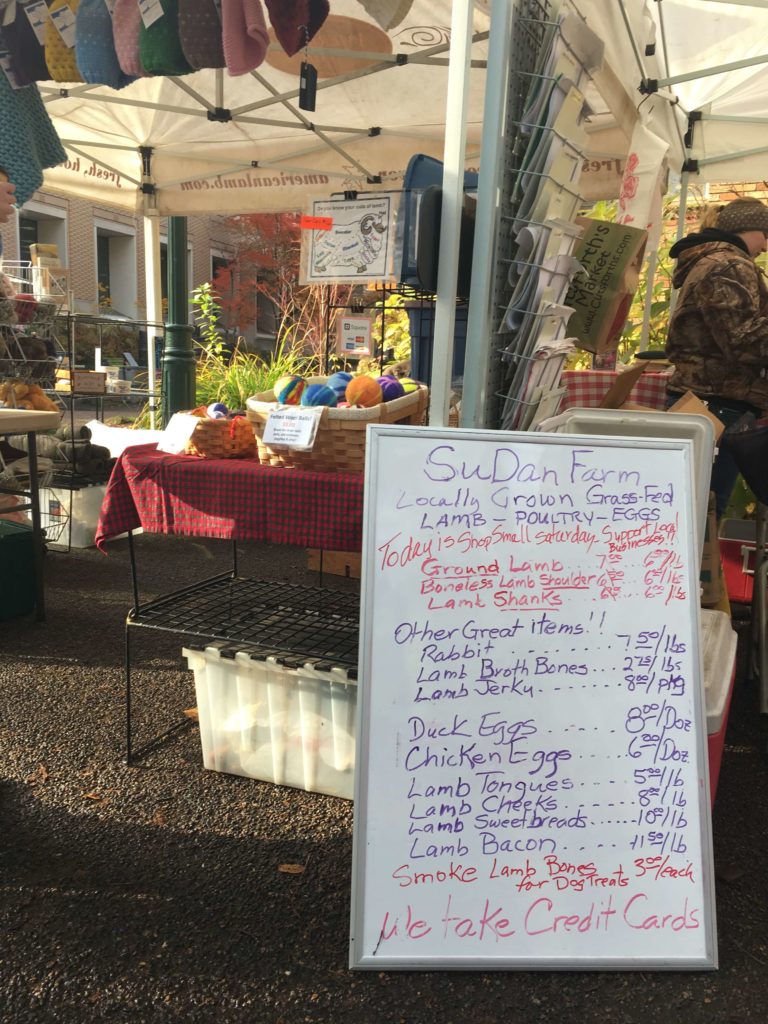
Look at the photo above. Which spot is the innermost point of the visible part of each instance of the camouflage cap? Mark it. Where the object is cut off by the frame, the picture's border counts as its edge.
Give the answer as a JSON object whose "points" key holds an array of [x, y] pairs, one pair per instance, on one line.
{"points": [[743, 215]]}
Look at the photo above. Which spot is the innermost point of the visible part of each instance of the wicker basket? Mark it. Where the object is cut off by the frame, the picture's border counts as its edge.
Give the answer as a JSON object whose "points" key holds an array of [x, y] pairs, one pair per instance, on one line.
{"points": [[340, 441], [222, 439]]}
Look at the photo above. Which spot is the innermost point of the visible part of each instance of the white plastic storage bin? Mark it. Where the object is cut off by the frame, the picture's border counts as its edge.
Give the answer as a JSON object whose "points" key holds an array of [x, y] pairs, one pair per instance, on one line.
{"points": [[718, 658], [291, 726], [70, 516]]}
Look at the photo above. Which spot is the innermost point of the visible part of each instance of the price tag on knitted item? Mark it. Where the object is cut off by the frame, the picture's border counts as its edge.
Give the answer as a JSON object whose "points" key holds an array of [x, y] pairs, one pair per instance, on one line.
{"points": [[217, 5], [7, 65], [292, 428], [9, 13], [151, 11], [111, 7], [64, 20], [37, 13]]}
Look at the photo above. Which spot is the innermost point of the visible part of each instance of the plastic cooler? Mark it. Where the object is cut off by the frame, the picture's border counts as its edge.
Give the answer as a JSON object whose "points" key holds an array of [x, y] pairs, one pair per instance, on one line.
{"points": [[738, 547], [290, 723], [639, 423], [70, 515], [17, 570], [718, 650]]}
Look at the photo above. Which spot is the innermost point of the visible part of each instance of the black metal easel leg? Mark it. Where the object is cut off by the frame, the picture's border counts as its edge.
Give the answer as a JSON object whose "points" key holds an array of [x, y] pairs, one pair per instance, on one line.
{"points": [[128, 749]]}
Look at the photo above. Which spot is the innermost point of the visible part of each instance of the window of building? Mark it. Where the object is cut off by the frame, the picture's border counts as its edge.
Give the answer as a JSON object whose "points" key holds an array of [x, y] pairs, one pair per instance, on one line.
{"points": [[41, 223], [222, 273], [116, 268]]}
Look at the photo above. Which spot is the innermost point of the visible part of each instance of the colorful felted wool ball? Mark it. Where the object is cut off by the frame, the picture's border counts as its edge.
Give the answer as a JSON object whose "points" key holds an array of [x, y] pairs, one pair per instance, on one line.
{"points": [[391, 388], [338, 382], [318, 394], [409, 385], [288, 389], [363, 391]]}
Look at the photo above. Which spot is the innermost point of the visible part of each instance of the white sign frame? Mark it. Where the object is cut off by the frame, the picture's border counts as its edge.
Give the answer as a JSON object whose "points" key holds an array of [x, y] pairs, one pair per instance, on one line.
{"points": [[357, 248], [388, 926]]}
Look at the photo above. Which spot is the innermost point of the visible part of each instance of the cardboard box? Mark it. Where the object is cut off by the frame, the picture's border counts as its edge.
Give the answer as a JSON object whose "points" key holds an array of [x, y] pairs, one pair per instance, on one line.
{"points": [[338, 563], [82, 382], [689, 404], [618, 393], [711, 573]]}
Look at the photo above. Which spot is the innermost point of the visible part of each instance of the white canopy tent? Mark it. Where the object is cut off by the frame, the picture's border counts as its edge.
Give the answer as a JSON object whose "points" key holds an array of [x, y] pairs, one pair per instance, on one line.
{"points": [[693, 71]]}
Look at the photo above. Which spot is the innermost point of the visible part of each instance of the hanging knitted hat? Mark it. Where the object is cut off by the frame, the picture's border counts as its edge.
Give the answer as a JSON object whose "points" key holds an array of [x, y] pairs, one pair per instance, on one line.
{"points": [[200, 34], [59, 57], [95, 46], [387, 13], [160, 49], [28, 140], [27, 54], [245, 35], [296, 21], [126, 23]]}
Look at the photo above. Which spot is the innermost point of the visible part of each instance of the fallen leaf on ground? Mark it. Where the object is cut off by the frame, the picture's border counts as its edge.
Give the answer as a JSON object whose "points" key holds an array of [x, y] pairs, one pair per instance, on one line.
{"points": [[191, 713], [40, 774], [158, 818], [93, 796], [291, 869]]}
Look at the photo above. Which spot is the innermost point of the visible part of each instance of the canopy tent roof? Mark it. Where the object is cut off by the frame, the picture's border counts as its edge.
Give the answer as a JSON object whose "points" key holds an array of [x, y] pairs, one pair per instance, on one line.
{"points": [[710, 68], [209, 142]]}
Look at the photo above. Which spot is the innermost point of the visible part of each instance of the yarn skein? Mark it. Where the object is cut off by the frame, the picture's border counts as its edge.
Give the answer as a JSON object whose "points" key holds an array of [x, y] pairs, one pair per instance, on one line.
{"points": [[363, 391], [288, 389]]}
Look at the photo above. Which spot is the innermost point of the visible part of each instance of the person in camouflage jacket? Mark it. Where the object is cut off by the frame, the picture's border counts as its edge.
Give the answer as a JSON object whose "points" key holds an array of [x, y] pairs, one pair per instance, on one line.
{"points": [[718, 332]]}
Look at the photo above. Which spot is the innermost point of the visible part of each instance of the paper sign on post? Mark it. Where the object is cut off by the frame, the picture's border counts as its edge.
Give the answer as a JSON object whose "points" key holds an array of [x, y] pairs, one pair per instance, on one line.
{"points": [[180, 428], [287, 427], [354, 335]]}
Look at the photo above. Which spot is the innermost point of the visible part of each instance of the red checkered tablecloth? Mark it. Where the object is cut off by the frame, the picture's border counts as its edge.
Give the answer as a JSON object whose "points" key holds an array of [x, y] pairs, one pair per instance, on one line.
{"points": [[585, 389], [235, 499]]}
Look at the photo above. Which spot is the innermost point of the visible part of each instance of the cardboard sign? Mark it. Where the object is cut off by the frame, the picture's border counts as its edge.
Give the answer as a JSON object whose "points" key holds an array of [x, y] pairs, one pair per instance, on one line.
{"points": [[289, 427], [611, 255], [354, 335]]}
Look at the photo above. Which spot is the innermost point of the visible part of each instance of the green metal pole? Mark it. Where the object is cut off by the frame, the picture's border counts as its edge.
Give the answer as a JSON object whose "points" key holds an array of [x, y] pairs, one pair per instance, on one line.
{"points": [[178, 354]]}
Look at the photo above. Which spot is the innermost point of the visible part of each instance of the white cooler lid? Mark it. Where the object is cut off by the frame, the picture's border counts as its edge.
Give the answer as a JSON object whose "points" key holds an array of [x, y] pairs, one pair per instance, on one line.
{"points": [[718, 655], [639, 423]]}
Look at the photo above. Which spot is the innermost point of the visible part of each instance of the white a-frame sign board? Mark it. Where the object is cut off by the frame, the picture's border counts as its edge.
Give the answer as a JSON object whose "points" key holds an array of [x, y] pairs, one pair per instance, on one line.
{"points": [[532, 784]]}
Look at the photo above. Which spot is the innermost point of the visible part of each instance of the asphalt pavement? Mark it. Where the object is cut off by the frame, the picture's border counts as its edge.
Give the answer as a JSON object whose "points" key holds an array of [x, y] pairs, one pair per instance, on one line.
{"points": [[164, 892]]}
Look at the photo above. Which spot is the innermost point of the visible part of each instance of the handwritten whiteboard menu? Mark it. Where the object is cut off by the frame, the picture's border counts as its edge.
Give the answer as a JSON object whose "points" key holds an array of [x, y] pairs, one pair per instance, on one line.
{"points": [[532, 785]]}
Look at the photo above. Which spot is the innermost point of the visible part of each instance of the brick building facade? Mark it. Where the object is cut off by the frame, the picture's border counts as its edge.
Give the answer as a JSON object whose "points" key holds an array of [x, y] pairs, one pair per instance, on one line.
{"points": [[102, 248]]}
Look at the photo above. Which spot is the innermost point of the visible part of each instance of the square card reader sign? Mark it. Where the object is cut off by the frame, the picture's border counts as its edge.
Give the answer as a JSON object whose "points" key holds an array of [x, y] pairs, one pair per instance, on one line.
{"points": [[532, 783]]}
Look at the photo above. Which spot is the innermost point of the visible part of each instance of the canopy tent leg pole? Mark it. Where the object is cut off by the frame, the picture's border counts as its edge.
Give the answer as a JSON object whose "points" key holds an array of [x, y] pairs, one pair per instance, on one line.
{"points": [[682, 205], [650, 275], [178, 355], [681, 208], [154, 294], [480, 317], [450, 217]]}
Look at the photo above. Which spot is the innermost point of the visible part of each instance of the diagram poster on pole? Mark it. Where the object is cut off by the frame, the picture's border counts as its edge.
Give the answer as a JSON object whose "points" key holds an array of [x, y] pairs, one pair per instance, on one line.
{"points": [[532, 786], [348, 241]]}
